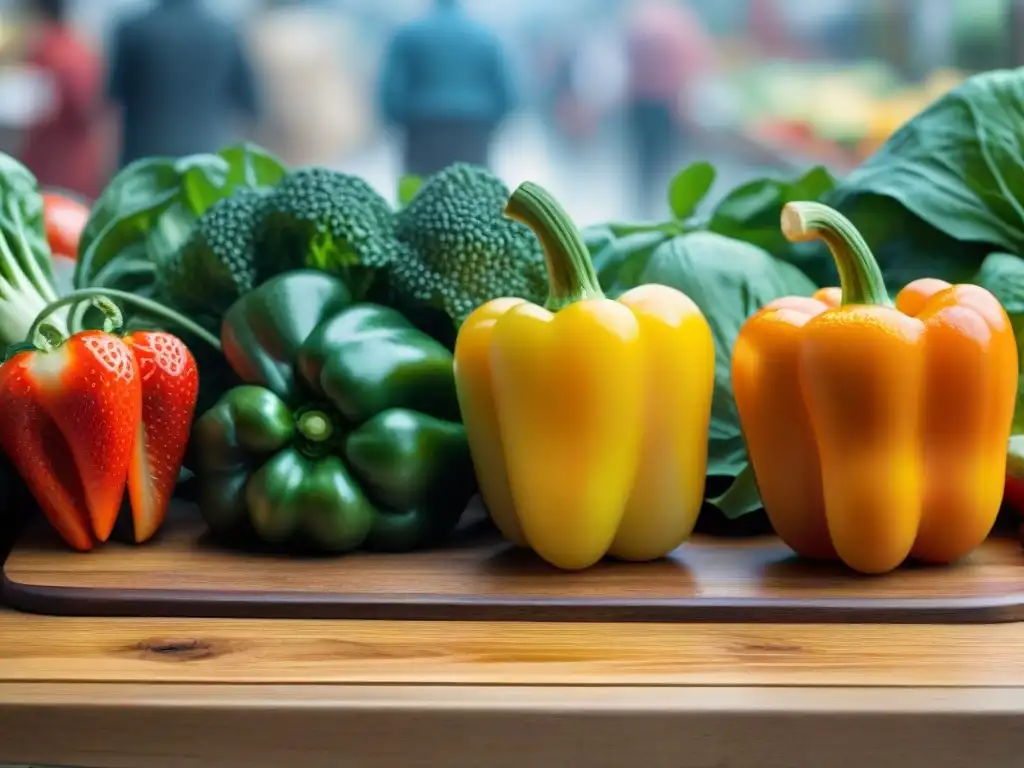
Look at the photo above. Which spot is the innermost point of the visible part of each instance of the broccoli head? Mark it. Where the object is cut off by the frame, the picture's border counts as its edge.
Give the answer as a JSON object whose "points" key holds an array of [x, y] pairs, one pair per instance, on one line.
{"points": [[328, 220], [218, 261], [462, 251]]}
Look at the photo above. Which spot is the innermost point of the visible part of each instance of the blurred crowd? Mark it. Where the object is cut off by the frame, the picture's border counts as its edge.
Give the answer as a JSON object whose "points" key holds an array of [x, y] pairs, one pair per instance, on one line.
{"points": [[314, 79]]}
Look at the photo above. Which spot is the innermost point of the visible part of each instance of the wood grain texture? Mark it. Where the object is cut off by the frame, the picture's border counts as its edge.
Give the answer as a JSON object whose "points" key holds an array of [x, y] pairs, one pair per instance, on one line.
{"points": [[478, 578], [47, 649], [183, 693], [171, 726]]}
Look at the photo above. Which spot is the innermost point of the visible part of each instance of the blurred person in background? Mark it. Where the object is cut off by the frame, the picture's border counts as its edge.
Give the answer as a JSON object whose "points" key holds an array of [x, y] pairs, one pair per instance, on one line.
{"points": [[312, 44], [447, 84], [64, 149], [667, 50], [182, 79]]}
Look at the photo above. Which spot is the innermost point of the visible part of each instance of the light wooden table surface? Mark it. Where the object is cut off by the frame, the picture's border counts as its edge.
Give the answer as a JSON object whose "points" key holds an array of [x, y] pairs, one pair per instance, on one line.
{"points": [[173, 692]]}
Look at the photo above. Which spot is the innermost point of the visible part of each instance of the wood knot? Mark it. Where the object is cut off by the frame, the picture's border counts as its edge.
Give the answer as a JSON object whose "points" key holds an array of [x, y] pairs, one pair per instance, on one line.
{"points": [[178, 649], [767, 647]]}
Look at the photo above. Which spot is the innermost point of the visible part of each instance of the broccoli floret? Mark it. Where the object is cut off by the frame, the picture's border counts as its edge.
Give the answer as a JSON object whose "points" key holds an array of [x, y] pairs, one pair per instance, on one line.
{"points": [[462, 250], [218, 262], [328, 220]]}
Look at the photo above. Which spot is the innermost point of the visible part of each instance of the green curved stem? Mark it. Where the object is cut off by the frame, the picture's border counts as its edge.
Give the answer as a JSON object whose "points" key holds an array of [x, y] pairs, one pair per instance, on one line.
{"points": [[149, 306], [859, 275], [113, 320], [571, 274], [47, 337]]}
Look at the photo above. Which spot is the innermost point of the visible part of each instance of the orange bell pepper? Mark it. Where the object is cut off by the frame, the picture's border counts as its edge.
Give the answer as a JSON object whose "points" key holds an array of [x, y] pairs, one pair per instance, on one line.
{"points": [[876, 432]]}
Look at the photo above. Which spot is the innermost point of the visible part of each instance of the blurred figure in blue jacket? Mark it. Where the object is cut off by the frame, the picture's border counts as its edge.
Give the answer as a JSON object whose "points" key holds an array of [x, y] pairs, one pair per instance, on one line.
{"points": [[447, 83], [181, 77]]}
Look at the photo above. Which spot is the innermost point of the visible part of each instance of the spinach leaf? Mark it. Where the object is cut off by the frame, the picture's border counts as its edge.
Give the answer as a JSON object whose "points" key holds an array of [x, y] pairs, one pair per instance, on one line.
{"points": [[729, 280], [948, 187], [149, 208]]}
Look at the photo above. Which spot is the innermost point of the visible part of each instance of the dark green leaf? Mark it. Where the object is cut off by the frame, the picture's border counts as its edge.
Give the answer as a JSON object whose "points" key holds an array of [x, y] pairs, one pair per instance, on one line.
{"points": [[905, 246], [742, 497], [729, 280], [124, 213], [172, 229], [959, 165], [1003, 275], [150, 207], [752, 211], [689, 187], [619, 262], [209, 178], [204, 181]]}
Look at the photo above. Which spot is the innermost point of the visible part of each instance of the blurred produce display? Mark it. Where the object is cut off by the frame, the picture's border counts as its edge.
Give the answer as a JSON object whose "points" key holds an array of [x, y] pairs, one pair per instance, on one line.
{"points": [[838, 115]]}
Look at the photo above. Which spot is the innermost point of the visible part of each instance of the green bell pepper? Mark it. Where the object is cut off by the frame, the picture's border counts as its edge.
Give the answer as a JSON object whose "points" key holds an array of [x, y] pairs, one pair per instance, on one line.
{"points": [[346, 433]]}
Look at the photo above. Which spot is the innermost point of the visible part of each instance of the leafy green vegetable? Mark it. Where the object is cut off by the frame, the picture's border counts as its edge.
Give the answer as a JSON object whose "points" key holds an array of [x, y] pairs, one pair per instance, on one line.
{"points": [[26, 277], [751, 213], [689, 187], [150, 207], [1003, 275], [947, 188], [959, 164]]}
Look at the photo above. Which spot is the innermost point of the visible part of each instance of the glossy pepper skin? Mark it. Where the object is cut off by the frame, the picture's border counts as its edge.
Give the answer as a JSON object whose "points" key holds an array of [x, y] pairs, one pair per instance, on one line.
{"points": [[346, 434], [876, 432], [587, 418]]}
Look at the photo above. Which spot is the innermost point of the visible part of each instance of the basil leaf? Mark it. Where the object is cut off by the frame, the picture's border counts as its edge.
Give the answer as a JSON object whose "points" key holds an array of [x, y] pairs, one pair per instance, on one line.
{"points": [[689, 187], [150, 207]]}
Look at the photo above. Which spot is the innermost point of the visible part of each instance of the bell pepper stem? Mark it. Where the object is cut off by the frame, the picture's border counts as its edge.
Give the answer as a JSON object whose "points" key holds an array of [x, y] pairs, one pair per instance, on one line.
{"points": [[315, 426], [571, 274], [860, 277], [103, 300]]}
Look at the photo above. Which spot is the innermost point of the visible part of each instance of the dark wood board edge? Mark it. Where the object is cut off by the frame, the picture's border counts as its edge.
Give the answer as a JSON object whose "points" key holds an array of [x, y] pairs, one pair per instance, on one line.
{"points": [[80, 601]]}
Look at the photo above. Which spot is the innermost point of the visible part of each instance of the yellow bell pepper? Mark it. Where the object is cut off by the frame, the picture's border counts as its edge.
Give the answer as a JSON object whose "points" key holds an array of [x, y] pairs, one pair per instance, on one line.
{"points": [[876, 431], [587, 418]]}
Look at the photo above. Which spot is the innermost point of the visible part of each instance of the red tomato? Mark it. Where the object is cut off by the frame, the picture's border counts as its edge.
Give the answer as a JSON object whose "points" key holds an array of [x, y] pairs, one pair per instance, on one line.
{"points": [[65, 219]]}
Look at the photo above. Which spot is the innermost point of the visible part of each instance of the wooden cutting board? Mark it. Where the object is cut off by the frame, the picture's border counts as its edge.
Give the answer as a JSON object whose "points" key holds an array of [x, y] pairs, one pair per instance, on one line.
{"points": [[183, 573]]}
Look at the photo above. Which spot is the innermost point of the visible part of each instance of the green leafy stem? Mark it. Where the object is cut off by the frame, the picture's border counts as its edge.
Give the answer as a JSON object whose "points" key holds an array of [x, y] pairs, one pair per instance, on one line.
{"points": [[100, 297]]}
